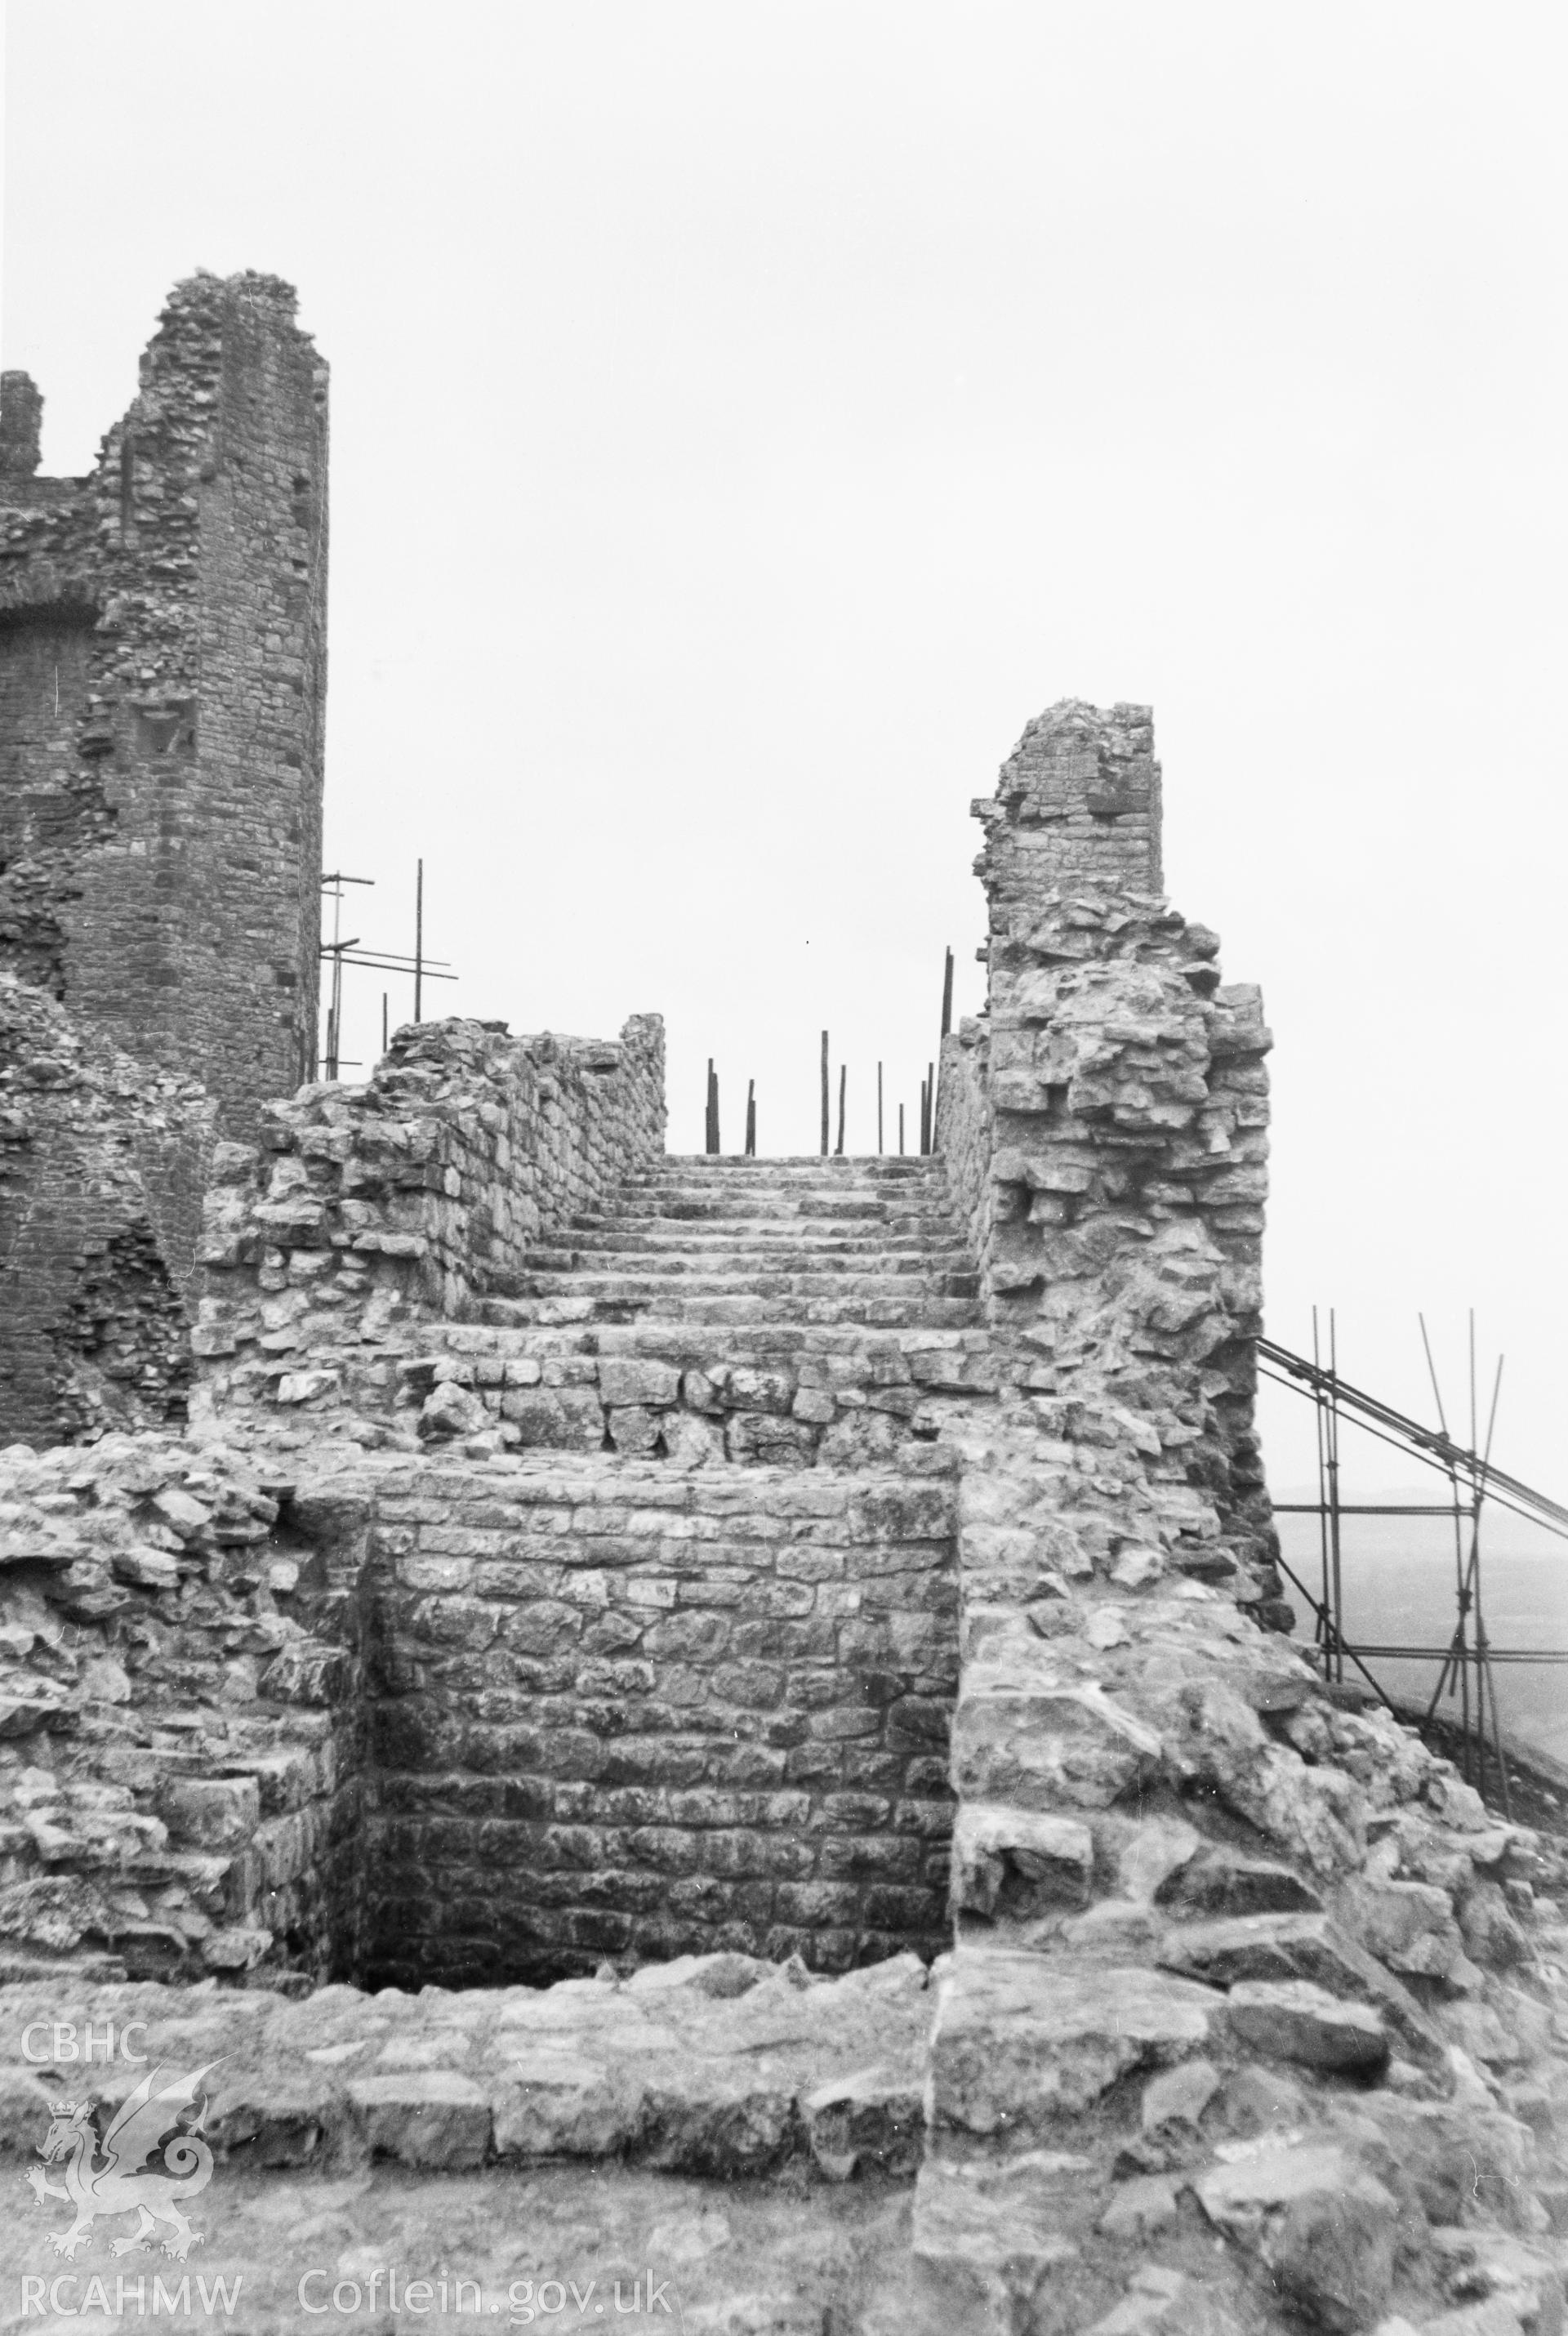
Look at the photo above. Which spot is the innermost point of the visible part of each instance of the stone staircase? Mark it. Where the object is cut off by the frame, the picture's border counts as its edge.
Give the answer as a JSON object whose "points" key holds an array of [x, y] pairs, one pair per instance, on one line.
{"points": [[713, 1241], [677, 1563], [790, 1312]]}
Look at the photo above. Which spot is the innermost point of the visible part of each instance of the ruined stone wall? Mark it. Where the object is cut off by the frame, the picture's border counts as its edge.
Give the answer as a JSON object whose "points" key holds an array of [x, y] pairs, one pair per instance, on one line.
{"points": [[418, 1192], [162, 676], [103, 1164], [1246, 1985], [1129, 1125], [1077, 803], [181, 1732]]}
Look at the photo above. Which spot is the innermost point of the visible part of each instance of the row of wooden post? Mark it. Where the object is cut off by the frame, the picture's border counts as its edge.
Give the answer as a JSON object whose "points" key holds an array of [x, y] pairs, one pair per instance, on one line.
{"points": [[927, 1091], [711, 1142], [928, 1095]]}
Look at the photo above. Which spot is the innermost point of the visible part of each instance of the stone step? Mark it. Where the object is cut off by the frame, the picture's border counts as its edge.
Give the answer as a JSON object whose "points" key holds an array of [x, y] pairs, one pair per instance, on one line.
{"points": [[696, 1397], [841, 1221], [783, 1167], [680, 1302], [744, 1281], [761, 1206], [728, 1264], [746, 1192], [846, 1355], [546, 1375], [912, 1500], [818, 1377], [614, 1237]]}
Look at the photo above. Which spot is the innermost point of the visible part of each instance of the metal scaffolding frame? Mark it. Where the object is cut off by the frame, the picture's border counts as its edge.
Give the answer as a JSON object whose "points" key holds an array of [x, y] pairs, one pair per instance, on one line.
{"points": [[1469, 1658], [339, 953]]}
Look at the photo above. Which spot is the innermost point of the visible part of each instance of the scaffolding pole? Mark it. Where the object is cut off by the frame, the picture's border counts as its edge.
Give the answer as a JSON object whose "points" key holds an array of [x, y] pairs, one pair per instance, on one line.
{"points": [[1467, 1659]]}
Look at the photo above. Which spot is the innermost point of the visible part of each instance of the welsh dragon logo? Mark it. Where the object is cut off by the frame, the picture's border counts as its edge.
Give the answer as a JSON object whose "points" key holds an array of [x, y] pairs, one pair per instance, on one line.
{"points": [[121, 2181]]}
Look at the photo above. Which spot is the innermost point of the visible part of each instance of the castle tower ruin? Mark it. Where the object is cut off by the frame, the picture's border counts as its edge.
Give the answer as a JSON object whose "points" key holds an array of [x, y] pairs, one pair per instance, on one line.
{"points": [[162, 694]]}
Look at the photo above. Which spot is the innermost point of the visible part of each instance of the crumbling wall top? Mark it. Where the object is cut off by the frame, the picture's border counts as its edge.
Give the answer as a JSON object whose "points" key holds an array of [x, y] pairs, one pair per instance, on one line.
{"points": [[21, 424], [1077, 802]]}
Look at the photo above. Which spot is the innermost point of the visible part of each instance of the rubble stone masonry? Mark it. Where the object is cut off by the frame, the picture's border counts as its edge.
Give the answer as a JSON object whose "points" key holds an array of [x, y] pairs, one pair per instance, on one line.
{"points": [[102, 1164]]}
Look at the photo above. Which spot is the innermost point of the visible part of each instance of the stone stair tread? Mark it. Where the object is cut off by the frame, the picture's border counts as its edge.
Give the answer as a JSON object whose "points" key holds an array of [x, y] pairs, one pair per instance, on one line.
{"points": [[738, 1282], [888, 1192], [956, 1313], [784, 1163], [702, 1210], [717, 1238], [646, 1336], [811, 1232], [805, 1232], [729, 1264], [666, 1487]]}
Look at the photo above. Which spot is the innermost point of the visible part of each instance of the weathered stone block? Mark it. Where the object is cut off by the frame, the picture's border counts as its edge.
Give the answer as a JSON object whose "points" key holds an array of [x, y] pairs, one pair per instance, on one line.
{"points": [[211, 1813], [1277, 1947], [984, 2259], [1294, 2020], [872, 2118], [1022, 1734], [1018, 1863], [628, 1379], [1022, 2042], [426, 2118], [1324, 2228], [554, 2103]]}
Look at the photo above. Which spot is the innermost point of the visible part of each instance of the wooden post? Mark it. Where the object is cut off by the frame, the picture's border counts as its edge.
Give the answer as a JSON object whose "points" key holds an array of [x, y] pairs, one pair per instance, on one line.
{"points": [[844, 1080], [946, 1025], [930, 1107], [901, 1130], [824, 1095], [711, 1132], [751, 1119], [878, 1106], [384, 1041]]}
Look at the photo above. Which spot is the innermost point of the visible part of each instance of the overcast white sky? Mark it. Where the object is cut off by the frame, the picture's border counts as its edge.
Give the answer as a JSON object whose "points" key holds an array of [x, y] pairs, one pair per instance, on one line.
{"points": [[746, 415]]}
